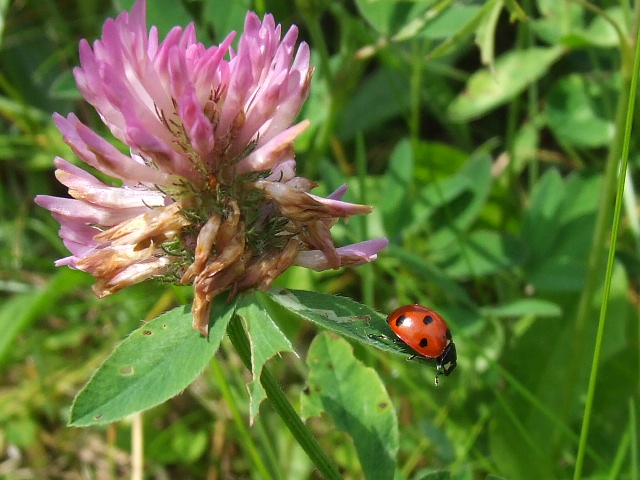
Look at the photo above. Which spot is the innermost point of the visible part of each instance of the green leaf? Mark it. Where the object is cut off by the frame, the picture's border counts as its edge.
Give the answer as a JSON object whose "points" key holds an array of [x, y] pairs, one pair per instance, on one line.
{"points": [[514, 71], [559, 273], [266, 340], [576, 111], [437, 160], [386, 16], [484, 252], [620, 306], [154, 363], [486, 33], [449, 21], [466, 194], [516, 11], [526, 143], [165, 14], [422, 269], [439, 475], [396, 188], [601, 32], [540, 224], [565, 212], [357, 401], [581, 199], [377, 13], [342, 316], [558, 21], [182, 441], [225, 17], [437, 194], [383, 95], [523, 307], [456, 37], [4, 7]]}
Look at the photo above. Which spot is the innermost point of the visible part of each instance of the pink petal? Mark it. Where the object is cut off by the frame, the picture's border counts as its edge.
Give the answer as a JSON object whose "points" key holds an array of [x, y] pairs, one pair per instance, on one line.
{"points": [[84, 186], [277, 150], [97, 152], [350, 255]]}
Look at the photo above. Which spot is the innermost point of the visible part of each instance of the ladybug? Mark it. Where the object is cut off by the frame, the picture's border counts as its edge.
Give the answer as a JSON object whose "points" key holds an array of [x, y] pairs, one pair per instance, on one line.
{"points": [[426, 332]]}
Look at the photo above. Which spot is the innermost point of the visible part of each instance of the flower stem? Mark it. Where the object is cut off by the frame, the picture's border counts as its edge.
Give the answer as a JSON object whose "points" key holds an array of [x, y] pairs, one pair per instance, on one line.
{"points": [[282, 405]]}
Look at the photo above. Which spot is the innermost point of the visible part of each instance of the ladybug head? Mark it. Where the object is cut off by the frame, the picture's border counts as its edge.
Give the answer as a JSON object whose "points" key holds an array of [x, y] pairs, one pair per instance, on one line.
{"points": [[446, 363]]}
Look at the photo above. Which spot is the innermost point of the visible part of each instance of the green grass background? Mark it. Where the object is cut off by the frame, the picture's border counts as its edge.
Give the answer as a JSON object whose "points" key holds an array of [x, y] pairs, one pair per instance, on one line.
{"points": [[488, 138]]}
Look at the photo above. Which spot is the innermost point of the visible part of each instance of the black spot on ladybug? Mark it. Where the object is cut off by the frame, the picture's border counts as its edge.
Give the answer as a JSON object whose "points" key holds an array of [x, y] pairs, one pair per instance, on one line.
{"points": [[424, 342], [428, 320], [400, 320]]}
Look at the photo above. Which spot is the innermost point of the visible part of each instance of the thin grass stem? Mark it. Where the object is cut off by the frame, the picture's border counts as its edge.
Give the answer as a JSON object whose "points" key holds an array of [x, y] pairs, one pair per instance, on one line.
{"points": [[593, 377], [245, 438]]}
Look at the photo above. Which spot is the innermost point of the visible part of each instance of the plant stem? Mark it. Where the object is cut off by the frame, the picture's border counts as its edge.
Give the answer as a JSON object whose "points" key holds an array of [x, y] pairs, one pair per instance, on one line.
{"points": [[622, 169], [282, 406], [137, 447], [366, 272], [596, 255]]}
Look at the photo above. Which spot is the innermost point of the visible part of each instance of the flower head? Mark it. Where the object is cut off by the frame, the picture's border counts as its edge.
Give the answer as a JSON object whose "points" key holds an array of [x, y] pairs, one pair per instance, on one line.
{"points": [[208, 194]]}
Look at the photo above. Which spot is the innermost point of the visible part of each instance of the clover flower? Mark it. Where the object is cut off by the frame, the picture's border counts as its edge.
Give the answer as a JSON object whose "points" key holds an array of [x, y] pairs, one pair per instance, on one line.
{"points": [[208, 194]]}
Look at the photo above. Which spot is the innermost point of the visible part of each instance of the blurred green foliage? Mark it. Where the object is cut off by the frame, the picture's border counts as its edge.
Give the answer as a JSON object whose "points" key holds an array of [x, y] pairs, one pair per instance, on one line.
{"points": [[483, 134]]}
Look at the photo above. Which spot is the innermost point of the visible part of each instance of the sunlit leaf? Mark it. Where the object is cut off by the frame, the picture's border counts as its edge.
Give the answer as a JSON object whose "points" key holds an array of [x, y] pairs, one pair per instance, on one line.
{"points": [[154, 363], [342, 316]]}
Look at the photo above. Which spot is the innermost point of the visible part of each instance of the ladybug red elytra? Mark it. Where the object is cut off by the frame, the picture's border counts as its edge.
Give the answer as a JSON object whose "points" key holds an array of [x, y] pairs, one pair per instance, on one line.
{"points": [[426, 332]]}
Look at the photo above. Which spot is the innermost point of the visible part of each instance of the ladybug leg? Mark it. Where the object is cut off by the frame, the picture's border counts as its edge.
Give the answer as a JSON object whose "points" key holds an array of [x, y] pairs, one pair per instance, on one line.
{"points": [[374, 336], [377, 337], [439, 370]]}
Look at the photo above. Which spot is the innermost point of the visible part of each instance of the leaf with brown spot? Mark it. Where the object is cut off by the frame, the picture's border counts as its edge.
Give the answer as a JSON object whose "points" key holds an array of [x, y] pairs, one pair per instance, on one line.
{"points": [[151, 365]]}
